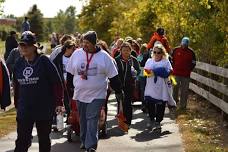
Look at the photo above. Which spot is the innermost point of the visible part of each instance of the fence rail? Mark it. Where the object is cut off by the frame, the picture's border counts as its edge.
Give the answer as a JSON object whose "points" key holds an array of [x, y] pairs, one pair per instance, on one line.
{"points": [[217, 100]]}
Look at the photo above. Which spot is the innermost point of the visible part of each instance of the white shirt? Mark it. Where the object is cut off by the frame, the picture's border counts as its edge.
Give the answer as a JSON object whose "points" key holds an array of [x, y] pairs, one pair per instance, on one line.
{"points": [[157, 90], [101, 68], [65, 62]]}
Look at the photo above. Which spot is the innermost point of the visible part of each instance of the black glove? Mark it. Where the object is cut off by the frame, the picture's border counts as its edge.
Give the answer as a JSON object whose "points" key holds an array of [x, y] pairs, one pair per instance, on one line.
{"points": [[120, 96]]}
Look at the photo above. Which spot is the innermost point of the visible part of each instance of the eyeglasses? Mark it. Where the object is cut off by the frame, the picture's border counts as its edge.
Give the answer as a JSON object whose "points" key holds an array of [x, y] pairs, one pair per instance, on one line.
{"points": [[156, 52]]}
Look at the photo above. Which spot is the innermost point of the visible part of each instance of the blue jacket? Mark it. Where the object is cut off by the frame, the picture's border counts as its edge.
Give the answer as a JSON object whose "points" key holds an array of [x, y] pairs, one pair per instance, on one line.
{"points": [[161, 72]]}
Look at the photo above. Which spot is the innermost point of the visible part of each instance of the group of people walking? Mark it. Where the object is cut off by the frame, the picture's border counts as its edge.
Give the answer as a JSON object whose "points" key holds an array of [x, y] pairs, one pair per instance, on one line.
{"points": [[82, 69]]}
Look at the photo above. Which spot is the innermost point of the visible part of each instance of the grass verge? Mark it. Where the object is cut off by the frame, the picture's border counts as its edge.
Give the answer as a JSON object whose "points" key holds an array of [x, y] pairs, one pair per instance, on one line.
{"points": [[7, 122], [202, 127], [2, 48]]}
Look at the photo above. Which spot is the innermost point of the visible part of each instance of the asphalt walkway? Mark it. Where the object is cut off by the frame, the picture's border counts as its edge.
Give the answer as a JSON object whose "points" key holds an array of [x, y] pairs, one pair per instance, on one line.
{"points": [[138, 139]]}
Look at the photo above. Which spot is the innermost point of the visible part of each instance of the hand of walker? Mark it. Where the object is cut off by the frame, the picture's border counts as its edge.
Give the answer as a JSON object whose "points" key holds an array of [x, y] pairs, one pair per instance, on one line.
{"points": [[173, 80], [148, 73], [59, 109]]}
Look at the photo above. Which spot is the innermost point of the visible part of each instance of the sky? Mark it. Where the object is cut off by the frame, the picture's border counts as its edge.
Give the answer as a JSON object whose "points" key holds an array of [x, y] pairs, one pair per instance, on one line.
{"points": [[49, 8]]}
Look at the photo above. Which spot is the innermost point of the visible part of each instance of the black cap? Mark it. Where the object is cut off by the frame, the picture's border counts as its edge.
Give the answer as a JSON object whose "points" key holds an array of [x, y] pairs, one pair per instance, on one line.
{"points": [[161, 31], [28, 37], [91, 36], [12, 32]]}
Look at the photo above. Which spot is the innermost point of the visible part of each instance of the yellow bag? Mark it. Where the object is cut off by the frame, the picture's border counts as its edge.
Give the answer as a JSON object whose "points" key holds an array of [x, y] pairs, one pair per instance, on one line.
{"points": [[148, 73], [173, 80]]}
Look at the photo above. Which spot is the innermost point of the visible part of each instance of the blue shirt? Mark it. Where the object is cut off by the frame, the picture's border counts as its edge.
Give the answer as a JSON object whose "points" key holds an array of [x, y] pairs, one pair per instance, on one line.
{"points": [[25, 26]]}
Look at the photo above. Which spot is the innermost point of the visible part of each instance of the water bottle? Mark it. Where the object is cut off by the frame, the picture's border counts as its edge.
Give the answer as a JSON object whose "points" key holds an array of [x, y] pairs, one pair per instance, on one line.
{"points": [[59, 119]]}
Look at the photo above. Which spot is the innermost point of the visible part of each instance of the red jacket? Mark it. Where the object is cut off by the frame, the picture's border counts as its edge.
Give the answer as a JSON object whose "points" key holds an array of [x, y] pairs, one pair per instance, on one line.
{"points": [[184, 61], [156, 37]]}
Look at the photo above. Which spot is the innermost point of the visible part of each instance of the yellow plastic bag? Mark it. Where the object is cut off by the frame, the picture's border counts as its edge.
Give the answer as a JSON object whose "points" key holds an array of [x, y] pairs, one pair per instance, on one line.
{"points": [[173, 80], [148, 73]]}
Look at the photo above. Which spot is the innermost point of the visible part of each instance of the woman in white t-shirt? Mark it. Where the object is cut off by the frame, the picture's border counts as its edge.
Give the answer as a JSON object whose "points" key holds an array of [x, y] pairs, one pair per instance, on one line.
{"points": [[156, 94]]}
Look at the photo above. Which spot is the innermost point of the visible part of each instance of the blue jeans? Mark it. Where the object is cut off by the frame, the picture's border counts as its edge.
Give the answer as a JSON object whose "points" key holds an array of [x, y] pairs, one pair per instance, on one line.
{"points": [[89, 114]]}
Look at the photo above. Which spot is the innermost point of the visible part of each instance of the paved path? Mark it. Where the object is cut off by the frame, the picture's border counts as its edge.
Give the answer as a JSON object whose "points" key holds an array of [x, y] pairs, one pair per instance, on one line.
{"points": [[139, 138]]}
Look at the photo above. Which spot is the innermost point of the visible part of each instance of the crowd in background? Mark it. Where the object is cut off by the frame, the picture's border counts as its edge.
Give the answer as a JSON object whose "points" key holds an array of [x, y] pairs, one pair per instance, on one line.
{"points": [[84, 68]]}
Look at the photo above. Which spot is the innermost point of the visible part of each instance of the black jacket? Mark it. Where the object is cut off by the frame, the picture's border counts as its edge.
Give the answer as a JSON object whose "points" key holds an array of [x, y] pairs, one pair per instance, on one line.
{"points": [[10, 44], [124, 70], [58, 61]]}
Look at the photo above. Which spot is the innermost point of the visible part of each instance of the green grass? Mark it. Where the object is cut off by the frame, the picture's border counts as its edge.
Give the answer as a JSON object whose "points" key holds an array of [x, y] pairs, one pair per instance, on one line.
{"points": [[7, 122], [2, 48]]}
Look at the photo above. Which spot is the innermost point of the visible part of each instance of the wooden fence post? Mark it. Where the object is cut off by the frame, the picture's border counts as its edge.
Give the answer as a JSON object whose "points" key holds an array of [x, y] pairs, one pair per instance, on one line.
{"points": [[225, 98]]}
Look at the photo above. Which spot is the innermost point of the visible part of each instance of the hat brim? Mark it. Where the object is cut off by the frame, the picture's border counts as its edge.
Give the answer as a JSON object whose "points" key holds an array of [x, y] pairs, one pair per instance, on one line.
{"points": [[26, 43]]}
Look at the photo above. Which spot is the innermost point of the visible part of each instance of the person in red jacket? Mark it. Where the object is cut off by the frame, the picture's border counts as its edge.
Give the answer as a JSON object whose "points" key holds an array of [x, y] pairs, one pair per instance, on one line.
{"points": [[184, 61], [159, 35]]}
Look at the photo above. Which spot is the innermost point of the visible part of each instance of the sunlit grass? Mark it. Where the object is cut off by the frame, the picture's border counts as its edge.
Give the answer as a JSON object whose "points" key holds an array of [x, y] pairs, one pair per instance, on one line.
{"points": [[7, 122], [201, 129], [2, 48]]}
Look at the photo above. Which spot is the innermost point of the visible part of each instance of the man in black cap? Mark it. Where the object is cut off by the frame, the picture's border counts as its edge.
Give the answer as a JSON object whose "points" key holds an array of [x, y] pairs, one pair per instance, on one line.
{"points": [[10, 44], [88, 69]]}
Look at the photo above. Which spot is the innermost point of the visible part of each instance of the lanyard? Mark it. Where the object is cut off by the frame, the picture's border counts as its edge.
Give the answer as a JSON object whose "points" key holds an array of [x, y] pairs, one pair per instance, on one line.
{"points": [[88, 60]]}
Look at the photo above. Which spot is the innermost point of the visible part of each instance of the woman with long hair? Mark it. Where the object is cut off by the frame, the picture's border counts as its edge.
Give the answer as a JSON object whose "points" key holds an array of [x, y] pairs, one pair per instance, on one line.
{"points": [[156, 94]]}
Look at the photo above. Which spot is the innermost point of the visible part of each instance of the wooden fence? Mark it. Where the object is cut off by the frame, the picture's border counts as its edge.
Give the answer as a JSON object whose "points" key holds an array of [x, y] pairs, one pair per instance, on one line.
{"points": [[205, 87]]}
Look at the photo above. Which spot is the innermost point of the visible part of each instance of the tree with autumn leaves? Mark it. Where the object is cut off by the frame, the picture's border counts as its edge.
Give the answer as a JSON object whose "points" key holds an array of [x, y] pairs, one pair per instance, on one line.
{"points": [[204, 21]]}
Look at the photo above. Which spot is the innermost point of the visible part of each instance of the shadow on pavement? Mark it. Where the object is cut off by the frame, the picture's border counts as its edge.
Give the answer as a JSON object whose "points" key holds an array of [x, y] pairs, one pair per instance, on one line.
{"points": [[66, 146], [148, 135]]}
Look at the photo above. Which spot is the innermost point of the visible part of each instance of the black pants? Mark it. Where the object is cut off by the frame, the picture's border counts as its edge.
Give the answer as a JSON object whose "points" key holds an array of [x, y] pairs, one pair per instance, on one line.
{"points": [[66, 102], [127, 107], [142, 85], [24, 134], [156, 111]]}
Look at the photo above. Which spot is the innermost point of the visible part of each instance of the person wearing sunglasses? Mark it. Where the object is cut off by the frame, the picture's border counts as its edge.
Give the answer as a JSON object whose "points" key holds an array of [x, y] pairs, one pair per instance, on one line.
{"points": [[157, 69], [38, 93]]}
